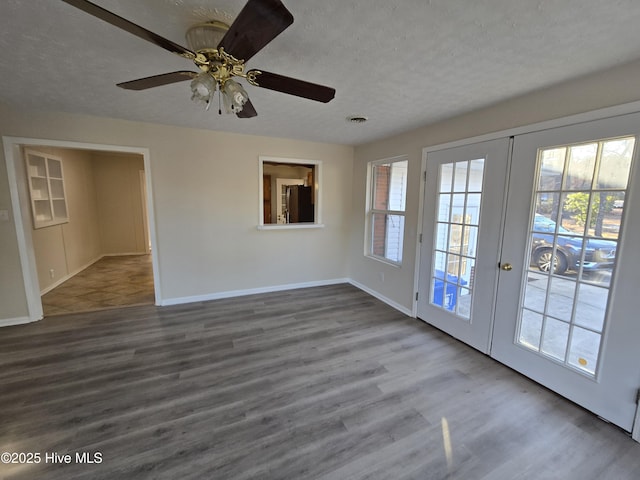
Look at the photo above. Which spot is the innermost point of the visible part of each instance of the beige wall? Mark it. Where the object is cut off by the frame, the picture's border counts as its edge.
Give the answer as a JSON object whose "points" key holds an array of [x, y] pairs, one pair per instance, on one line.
{"points": [[205, 189], [120, 204], [67, 248], [613, 87]]}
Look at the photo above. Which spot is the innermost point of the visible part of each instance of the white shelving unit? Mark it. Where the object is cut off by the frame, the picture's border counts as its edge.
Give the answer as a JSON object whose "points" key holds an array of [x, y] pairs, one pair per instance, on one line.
{"points": [[46, 187]]}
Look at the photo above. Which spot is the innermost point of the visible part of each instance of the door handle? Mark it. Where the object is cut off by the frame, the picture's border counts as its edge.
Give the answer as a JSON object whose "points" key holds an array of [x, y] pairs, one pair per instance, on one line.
{"points": [[507, 267]]}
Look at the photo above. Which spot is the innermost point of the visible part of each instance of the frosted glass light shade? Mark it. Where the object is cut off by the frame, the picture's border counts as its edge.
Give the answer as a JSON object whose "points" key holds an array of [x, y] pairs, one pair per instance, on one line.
{"points": [[206, 36]]}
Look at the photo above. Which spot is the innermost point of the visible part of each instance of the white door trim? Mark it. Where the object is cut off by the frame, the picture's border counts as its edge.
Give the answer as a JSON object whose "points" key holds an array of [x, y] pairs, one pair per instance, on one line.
{"points": [[19, 200]]}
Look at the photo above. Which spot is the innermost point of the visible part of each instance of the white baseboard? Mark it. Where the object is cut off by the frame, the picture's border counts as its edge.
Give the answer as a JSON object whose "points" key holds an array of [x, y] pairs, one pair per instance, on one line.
{"points": [[235, 293], [61, 280], [279, 288], [125, 254], [382, 298], [250, 291], [8, 322]]}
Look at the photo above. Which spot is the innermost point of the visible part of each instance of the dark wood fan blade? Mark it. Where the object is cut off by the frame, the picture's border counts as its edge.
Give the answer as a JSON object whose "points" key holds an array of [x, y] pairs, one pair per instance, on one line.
{"points": [[259, 22], [131, 27], [157, 80], [292, 86], [247, 111]]}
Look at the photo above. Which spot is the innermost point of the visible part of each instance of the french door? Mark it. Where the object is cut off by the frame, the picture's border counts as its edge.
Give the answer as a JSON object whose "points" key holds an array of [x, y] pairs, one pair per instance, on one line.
{"points": [[558, 264], [461, 238]]}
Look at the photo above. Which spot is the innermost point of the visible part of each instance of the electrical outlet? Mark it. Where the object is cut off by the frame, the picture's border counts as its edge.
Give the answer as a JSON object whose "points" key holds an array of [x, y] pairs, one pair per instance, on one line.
{"points": [[381, 275], [52, 273]]}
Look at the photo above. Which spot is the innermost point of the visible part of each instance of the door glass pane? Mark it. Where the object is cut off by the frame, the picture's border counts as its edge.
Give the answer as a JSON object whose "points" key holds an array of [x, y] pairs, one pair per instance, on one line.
{"points": [[603, 218], [456, 239], [554, 338], [446, 177], [584, 347], [444, 204], [476, 175], [551, 168], [560, 298], [460, 179], [579, 204], [442, 236], [464, 302], [473, 209], [582, 161], [530, 329], [591, 307], [535, 293], [616, 162]]}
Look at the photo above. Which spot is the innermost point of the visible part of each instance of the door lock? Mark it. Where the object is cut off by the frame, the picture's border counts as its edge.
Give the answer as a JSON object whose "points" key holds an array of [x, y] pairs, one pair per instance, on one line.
{"points": [[507, 267]]}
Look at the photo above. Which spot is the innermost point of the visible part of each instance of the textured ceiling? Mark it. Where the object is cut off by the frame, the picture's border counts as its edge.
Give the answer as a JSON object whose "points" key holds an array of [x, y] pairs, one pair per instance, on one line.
{"points": [[402, 63]]}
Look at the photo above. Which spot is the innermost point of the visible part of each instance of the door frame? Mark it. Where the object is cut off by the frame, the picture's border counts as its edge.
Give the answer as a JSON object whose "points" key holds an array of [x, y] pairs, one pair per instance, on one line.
{"points": [[599, 114], [20, 209]]}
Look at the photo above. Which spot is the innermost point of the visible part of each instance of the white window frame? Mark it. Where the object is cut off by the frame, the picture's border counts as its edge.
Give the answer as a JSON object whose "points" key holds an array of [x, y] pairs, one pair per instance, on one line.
{"points": [[371, 211]]}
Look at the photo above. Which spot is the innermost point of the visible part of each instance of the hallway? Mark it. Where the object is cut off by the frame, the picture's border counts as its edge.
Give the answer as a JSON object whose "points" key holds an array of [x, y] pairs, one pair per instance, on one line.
{"points": [[110, 282]]}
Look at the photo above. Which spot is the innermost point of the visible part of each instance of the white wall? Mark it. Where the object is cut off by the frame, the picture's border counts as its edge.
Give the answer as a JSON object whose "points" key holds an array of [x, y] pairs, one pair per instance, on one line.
{"points": [[205, 189], [613, 87]]}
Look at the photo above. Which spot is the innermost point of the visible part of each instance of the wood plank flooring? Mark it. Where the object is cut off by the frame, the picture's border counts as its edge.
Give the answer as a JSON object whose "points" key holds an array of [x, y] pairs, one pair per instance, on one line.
{"points": [[322, 383]]}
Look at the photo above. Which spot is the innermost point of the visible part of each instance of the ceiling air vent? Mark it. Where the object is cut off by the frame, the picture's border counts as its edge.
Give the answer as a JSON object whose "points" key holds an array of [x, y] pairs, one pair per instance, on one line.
{"points": [[357, 119]]}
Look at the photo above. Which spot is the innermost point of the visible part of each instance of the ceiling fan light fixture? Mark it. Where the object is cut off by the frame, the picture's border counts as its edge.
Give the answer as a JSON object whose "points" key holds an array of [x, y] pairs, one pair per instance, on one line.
{"points": [[203, 87], [234, 96], [220, 51], [206, 36]]}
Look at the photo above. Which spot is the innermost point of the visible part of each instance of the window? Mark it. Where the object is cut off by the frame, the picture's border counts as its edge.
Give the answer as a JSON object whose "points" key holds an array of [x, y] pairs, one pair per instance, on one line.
{"points": [[387, 198], [289, 193]]}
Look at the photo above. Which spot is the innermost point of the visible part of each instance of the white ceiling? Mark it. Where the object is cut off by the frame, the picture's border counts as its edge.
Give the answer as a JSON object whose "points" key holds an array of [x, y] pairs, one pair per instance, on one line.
{"points": [[401, 63]]}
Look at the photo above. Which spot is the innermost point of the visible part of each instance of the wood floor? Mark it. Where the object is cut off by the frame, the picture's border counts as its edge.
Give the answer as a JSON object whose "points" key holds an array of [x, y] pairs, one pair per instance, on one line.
{"points": [[321, 383]]}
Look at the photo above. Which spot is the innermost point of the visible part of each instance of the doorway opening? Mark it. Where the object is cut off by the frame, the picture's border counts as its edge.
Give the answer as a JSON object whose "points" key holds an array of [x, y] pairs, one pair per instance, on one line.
{"points": [[101, 255]]}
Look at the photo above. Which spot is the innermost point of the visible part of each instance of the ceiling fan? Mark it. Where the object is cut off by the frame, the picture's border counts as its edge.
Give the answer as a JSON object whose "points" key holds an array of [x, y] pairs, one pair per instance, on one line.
{"points": [[220, 52]]}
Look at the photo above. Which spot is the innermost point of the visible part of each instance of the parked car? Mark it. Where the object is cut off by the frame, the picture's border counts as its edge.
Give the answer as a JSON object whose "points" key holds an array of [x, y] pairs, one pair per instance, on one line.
{"points": [[599, 254]]}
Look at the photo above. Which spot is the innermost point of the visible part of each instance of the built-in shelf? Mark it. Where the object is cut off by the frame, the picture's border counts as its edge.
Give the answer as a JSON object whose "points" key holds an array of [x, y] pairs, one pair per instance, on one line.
{"points": [[46, 187]]}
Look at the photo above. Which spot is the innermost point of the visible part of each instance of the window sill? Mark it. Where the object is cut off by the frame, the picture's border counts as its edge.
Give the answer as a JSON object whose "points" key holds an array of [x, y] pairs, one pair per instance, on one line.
{"points": [[291, 226], [384, 260]]}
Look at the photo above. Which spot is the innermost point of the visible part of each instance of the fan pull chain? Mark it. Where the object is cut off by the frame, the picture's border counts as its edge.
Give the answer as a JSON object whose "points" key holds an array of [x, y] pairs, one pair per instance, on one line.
{"points": [[219, 102]]}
